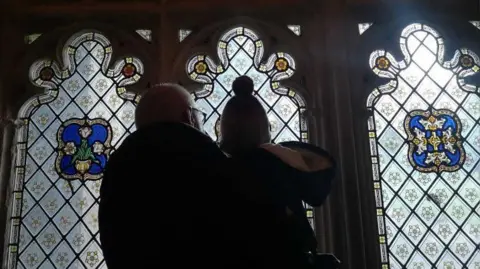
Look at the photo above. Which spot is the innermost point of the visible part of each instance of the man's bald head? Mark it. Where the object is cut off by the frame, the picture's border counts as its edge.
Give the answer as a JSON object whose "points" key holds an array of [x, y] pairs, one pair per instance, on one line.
{"points": [[165, 103]]}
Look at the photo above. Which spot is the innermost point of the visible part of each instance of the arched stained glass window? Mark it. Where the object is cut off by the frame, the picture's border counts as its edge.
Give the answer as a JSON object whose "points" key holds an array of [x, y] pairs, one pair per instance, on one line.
{"points": [[62, 148], [425, 143], [240, 51]]}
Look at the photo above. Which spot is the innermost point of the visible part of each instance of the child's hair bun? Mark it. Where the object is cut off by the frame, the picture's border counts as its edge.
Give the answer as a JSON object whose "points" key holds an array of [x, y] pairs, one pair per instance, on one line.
{"points": [[243, 86]]}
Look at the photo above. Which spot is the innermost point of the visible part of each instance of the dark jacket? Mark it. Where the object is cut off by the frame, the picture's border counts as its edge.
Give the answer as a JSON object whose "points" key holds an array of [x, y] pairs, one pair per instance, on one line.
{"points": [[169, 199], [292, 178]]}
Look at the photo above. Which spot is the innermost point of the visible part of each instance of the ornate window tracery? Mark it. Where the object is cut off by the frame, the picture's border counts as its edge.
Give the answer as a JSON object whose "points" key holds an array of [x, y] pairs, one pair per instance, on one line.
{"points": [[62, 147], [425, 145]]}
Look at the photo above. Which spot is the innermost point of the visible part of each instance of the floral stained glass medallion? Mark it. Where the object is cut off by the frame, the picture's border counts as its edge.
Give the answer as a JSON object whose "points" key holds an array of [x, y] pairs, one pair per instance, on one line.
{"points": [[240, 52], [435, 144], [83, 149], [424, 135], [61, 151]]}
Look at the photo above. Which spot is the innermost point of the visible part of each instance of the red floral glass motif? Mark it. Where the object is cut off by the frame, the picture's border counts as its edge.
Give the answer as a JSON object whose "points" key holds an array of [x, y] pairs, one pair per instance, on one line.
{"points": [[129, 70], [46, 73]]}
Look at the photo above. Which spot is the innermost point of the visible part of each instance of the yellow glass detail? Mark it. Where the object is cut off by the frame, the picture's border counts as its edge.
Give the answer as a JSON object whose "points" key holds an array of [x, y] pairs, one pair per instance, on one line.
{"points": [[382, 239]]}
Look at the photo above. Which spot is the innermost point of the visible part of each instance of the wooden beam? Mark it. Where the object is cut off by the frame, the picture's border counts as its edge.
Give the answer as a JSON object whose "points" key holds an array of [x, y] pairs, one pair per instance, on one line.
{"points": [[147, 7], [80, 7], [208, 4]]}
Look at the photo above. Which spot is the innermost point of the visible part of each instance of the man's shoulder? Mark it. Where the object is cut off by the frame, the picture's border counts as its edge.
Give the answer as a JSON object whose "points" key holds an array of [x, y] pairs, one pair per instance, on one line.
{"points": [[168, 146]]}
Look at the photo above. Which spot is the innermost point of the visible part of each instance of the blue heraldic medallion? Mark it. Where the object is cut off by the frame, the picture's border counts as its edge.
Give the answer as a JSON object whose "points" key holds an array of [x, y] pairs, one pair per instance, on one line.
{"points": [[435, 142]]}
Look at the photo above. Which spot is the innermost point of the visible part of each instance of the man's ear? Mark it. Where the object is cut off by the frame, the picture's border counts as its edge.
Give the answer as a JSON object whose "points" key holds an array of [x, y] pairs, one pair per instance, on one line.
{"points": [[187, 117]]}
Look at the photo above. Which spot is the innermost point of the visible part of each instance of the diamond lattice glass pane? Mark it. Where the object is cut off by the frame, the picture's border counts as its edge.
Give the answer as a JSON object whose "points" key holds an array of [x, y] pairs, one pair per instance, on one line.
{"points": [[418, 261], [32, 257], [411, 193], [394, 176], [380, 123], [472, 106], [454, 90], [471, 159], [470, 192], [428, 90], [458, 210], [398, 123], [444, 228], [387, 107], [412, 75], [62, 256], [51, 202], [462, 247], [43, 117], [398, 211], [387, 195], [384, 158], [448, 261], [440, 193], [414, 229], [472, 227], [445, 102], [259, 79], [428, 133], [467, 122], [425, 180], [431, 247], [74, 84], [391, 141], [454, 179], [69, 137], [402, 248], [442, 76]]}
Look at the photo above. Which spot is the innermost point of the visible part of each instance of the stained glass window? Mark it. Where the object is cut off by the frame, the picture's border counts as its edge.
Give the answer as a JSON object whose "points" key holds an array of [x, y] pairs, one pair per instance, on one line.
{"points": [[296, 29], [29, 39], [424, 135], [61, 151], [241, 51], [476, 24], [363, 27], [183, 33], [145, 34]]}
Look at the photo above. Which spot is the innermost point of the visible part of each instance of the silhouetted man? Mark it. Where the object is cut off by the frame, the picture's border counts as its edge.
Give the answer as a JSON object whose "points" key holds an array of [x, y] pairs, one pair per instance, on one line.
{"points": [[161, 196]]}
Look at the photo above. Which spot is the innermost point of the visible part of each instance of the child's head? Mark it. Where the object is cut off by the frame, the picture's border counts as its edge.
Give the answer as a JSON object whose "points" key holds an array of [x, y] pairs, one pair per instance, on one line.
{"points": [[244, 124]]}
